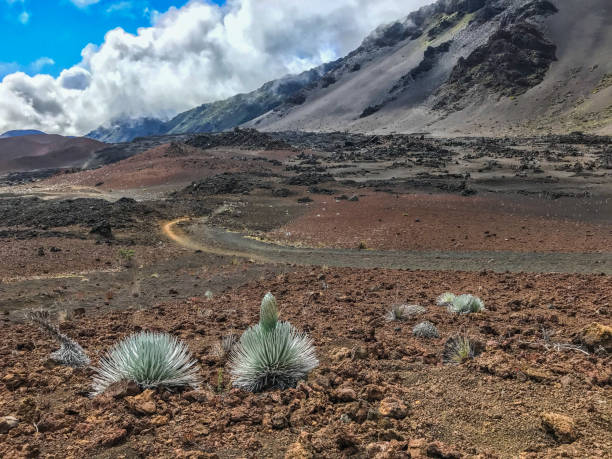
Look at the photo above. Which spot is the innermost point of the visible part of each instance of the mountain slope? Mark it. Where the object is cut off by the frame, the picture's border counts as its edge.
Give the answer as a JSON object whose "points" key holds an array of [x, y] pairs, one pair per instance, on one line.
{"points": [[41, 151], [216, 116], [125, 130], [470, 67]]}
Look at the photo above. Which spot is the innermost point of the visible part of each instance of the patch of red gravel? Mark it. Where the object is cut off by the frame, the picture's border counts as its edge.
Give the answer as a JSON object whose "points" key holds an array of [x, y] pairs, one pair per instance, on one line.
{"points": [[449, 222], [378, 389], [160, 166]]}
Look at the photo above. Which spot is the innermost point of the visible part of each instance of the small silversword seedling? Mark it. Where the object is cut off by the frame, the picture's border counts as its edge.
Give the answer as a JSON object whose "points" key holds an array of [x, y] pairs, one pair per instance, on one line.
{"points": [[70, 352], [404, 311], [425, 330], [223, 349], [151, 360], [271, 354]]}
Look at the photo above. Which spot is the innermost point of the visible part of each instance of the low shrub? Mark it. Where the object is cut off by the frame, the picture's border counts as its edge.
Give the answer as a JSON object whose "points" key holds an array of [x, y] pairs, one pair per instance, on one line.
{"points": [[404, 312], [459, 349], [70, 352], [425, 330]]}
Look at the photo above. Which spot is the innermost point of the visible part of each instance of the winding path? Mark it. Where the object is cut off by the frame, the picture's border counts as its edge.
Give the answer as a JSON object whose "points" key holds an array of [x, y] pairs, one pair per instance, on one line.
{"points": [[197, 235]]}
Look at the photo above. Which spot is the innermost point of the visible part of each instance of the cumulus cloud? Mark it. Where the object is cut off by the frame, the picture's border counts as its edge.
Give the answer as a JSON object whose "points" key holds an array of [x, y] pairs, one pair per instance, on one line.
{"points": [[75, 78], [191, 55]]}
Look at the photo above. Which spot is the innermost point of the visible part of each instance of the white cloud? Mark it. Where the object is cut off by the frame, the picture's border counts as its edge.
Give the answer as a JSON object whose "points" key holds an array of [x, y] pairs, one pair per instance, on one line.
{"points": [[41, 62], [189, 56], [24, 17], [119, 7], [84, 3]]}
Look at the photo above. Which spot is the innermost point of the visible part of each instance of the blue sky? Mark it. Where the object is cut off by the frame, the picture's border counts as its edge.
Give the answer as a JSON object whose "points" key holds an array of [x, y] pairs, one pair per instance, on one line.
{"points": [[35, 32]]}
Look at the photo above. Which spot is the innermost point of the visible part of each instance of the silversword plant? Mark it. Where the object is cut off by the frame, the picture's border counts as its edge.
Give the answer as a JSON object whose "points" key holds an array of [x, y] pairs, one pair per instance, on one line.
{"points": [[151, 360], [466, 304], [271, 354], [70, 352]]}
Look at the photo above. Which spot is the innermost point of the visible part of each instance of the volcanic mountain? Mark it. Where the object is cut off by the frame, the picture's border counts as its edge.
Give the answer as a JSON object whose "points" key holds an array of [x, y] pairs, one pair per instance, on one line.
{"points": [[498, 67]]}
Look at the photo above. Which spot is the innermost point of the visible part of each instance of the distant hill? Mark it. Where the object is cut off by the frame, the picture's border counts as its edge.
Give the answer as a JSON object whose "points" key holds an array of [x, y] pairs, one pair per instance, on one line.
{"points": [[21, 133], [42, 151]]}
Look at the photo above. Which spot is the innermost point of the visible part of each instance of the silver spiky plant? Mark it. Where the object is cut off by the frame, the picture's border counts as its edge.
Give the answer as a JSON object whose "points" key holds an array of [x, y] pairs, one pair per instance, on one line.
{"points": [[404, 312], [425, 330], [271, 354], [70, 352], [150, 359], [445, 299], [465, 304]]}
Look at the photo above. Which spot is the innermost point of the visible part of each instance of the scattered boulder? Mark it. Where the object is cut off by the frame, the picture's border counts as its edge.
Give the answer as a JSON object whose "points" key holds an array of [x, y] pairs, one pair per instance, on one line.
{"points": [[345, 394], [596, 336], [562, 427], [122, 389], [440, 450], [7, 423], [103, 229], [143, 403], [13, 380], [393, 408]]}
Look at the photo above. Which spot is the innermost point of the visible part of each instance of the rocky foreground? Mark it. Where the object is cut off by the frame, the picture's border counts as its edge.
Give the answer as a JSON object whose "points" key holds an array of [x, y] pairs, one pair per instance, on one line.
{"points": [[539, 387]]}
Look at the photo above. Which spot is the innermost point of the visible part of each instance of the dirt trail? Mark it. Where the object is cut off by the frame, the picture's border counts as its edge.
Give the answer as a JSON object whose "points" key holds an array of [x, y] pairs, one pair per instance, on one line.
{"points": [[197, 235]]}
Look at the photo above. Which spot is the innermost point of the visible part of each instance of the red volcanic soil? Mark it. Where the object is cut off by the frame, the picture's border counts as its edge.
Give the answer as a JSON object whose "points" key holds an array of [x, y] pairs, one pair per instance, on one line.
{"points": [[451, 222], [378, 392], [56, 256], [45, 152], [167, 164]]}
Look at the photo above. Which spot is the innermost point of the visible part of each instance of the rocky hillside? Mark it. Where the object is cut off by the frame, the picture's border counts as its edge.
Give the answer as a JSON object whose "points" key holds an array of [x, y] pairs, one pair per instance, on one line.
{"points": [[125, 130], [470, 66]]}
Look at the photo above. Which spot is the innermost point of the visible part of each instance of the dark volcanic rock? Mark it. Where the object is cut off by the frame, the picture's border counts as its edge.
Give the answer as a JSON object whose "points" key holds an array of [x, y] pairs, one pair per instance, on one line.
{"points": [[514, 60], [309, 179], [38, 213], [226, 183], [103, 229], [245, 138]]}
